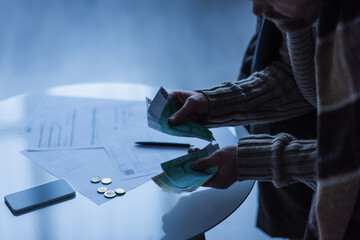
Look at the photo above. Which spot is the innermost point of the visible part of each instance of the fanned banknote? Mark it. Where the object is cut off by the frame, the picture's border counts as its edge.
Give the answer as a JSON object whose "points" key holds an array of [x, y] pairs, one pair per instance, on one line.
{"points": [[163, 181], [179, 177], [162, 107]]}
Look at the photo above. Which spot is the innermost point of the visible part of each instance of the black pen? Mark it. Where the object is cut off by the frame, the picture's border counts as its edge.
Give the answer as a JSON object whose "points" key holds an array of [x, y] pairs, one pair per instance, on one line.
{"points": [[165, 144]]}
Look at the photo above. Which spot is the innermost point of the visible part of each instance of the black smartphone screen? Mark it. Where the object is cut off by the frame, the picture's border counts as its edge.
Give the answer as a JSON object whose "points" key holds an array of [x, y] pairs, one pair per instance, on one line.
{"points": [[40, 196]]}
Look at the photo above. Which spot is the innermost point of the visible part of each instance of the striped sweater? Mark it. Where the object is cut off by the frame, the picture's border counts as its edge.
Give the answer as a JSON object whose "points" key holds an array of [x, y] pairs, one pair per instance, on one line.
{"points": [[284, 89]]}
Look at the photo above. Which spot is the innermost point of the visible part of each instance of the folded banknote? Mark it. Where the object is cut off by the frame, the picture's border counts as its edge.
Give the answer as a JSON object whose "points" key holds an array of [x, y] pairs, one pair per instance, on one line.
{"points": [[162, 107], [177, 175]]}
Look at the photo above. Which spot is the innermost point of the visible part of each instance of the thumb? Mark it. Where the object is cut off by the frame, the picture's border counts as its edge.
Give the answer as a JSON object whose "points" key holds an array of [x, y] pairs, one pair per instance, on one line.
{"points": [[181, 114], [204, 163]]}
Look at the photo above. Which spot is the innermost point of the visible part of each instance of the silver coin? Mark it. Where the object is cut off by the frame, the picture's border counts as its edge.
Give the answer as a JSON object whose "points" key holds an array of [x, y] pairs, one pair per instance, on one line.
{"points": [[95, 179], [110, 194], [102, 189], [106, 180], [120, 191]]}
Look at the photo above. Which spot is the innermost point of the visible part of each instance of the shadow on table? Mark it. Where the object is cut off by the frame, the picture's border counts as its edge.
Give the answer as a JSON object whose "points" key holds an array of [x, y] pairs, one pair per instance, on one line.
{"points": [[200, 211]]}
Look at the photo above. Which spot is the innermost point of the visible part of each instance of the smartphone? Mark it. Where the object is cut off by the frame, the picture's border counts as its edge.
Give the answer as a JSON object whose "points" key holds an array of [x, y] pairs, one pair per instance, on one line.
{"points": [[38, 197]]}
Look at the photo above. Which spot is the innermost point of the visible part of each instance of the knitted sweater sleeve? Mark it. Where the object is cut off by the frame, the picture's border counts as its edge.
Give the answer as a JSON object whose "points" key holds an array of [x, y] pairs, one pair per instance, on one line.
{"points": [[281, 159], [266, 96]]}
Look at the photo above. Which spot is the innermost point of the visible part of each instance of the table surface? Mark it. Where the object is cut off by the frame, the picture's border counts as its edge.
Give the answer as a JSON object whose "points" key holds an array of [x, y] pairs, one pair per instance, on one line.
{"points": [[146, 212]]}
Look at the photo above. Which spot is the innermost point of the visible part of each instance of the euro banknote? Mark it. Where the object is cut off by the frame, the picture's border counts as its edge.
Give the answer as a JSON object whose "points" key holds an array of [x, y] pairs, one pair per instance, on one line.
{"points": [[177, 175], [162, 107]]}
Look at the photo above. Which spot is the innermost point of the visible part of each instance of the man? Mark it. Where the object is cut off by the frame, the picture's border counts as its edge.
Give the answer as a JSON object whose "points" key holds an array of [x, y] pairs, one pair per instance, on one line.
{"points": [[283, 212], [331, 163]]}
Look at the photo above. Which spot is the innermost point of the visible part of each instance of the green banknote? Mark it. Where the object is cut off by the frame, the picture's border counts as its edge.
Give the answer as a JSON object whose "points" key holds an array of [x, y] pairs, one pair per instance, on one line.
{"points": [[189, 128], [163, 181], [159, 111], [179, 173]]}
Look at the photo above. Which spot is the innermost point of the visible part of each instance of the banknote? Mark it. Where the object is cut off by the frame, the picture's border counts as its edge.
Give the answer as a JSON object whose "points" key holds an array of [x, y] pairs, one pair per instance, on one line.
{"points": [[179, 177], [162, 107], [163, 181], [180, 173]]}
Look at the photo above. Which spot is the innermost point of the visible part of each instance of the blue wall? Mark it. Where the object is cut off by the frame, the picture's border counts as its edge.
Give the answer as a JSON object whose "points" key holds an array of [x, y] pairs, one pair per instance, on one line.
{"points": [[180, 44]]}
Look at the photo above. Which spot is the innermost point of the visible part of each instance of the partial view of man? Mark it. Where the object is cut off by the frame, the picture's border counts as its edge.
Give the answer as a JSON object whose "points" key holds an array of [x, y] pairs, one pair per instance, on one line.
{"points": [[277, 93], [283, 212]]}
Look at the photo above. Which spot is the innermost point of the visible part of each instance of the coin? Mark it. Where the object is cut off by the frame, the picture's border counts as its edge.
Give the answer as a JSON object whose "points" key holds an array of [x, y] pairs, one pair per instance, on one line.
{"points": [[120, 191], [106, 180], [95, 179], [102, 189], [110, 194]]}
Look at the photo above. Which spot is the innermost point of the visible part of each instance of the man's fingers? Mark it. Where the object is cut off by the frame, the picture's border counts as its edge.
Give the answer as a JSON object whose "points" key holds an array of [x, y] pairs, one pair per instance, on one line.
{"points": [[193, 150], [216, 182], [174, 96], [204, 163], [181, 114]]}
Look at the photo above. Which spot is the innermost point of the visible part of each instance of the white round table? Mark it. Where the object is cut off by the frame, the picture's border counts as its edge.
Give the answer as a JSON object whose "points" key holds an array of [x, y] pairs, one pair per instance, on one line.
{"points": [[146, 212]]}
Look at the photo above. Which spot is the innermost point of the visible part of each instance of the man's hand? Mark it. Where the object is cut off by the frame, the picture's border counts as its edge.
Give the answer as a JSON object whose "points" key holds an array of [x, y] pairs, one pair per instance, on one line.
{"points": [[193, 104], [225, 159]]}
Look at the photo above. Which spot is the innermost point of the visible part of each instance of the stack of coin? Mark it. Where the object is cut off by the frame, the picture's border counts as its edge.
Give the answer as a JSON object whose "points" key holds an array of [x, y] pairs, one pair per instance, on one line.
{"points": [[109, 193]]}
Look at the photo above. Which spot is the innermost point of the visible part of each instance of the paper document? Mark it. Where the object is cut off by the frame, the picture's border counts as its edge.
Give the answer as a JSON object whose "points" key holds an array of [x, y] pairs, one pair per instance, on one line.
{"points": [[65, 140], [135, 160], [77, 138], [77, 167], [60, 122]]}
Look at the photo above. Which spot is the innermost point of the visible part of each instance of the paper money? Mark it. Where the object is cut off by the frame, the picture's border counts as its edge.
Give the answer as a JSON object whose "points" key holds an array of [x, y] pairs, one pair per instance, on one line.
{"points": [[163, 181], [162, 107], [179, 177], [180, 173]]}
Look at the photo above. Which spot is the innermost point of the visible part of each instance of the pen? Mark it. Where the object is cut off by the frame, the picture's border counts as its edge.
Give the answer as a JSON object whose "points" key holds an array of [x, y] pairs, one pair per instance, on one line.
{"points": [[165, 144]]}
